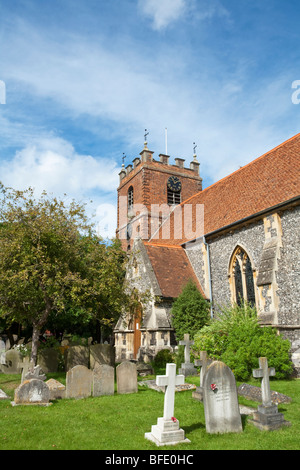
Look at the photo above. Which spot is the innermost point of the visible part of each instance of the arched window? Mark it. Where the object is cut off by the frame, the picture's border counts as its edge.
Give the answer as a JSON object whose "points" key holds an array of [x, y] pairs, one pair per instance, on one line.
{"points": [[241, 275], [130, 198]]}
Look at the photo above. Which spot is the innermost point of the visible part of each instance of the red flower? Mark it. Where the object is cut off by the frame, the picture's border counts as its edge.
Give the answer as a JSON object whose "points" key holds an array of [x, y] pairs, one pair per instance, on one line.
{"points": [[213, 387], [173, 419]]}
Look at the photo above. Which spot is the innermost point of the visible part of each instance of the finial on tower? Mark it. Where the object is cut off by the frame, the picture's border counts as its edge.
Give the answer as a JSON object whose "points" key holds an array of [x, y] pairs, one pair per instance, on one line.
{"points": [[195, 155], [145, 138], [123, 159]]}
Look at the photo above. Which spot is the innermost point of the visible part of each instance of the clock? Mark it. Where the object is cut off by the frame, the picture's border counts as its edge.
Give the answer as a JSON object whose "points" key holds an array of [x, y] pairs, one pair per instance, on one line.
{"points": [[174, 184]]}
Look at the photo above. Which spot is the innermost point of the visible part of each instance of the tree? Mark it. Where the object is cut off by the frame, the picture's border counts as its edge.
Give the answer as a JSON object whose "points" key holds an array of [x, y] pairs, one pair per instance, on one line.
{"points": [[190, 311], [51, 260]]}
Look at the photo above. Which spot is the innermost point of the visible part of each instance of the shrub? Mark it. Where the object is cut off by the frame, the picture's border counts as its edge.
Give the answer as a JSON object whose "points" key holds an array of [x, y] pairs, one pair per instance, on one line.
{"points": [[163, 357], [237, 339]]}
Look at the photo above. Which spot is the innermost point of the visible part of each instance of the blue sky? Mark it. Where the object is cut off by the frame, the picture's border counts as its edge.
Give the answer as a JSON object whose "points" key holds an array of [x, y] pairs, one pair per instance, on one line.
{"points": [[84, 78]]}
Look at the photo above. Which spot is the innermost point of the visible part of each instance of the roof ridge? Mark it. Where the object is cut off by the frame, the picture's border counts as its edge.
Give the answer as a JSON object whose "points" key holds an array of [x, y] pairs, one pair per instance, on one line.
{"points": [[242, 168]]}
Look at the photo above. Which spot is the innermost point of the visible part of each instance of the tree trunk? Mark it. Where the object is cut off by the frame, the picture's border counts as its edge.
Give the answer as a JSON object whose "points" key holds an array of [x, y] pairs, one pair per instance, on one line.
{"points": [[35, 343]]}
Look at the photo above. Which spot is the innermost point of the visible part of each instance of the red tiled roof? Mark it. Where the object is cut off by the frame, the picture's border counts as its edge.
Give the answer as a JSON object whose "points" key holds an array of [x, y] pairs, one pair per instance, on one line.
{"points": [[172, 269], [272, 179]]}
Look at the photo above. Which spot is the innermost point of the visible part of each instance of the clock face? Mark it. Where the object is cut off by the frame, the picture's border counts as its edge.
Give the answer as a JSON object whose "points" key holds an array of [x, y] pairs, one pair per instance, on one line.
{"points": [[174, 184]]}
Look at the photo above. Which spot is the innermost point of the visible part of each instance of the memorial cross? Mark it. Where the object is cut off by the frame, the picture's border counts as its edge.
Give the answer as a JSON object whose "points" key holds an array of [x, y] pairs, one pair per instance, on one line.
{"points": [[187, 343], [170, 380], [203, 362], [264, 372]]}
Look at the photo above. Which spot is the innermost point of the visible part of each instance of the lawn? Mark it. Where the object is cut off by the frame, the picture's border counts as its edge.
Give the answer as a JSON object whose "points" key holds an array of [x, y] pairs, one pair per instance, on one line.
{"points": [[119, 422]]}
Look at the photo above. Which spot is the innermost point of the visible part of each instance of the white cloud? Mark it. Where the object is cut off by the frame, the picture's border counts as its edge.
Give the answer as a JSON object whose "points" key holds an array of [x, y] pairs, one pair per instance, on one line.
{"points": [[162, 12], [53, 165]]}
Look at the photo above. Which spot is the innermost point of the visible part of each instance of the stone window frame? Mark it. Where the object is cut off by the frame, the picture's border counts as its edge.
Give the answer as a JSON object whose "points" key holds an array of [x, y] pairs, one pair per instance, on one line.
{"points": [[242, 260]]}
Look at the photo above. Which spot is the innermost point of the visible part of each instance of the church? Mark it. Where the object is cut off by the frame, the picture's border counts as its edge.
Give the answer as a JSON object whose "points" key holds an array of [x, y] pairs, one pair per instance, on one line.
{"points": [[237, 239]]}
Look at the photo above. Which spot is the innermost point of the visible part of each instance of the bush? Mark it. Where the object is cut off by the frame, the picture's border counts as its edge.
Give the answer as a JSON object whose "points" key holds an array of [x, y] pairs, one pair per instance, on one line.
{"points": [[163, 357], [237, 339], [190, 312]]}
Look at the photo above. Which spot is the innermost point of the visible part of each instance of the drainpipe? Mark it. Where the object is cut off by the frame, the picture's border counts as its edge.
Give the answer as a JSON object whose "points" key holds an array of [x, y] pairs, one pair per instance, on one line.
{"points": [[209, 278]]}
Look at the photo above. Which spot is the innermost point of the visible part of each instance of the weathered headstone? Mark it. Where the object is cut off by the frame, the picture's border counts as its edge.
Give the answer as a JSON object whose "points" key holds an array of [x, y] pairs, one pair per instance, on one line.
{"points": [[79, 382], [220, 399], [25, 365], [35, 372], [102, 354], [203, 362], [32, 392], [57, 389], [48, 360], [187, 368], [267, 417], [103, 380], [126, 377], [77, 355], [167, 431], [2, 354], [3, 395], [13, 359]]}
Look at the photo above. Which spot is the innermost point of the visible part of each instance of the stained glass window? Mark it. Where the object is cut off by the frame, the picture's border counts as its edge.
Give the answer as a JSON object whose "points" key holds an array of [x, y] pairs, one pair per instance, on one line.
{"points": [[238, 283]]}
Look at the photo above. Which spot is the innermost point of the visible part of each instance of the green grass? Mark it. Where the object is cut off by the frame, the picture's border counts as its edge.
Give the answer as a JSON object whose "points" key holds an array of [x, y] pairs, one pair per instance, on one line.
{"points": [[119, 422]]}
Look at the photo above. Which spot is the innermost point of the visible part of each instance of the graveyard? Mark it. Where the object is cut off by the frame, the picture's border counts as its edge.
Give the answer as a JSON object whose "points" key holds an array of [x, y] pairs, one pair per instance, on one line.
{"points": [[113, 408]]}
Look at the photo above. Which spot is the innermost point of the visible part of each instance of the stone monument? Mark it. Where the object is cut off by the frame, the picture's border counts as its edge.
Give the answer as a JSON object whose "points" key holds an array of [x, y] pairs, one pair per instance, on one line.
{"points": [[203, 362], [220, 399], [187, 368], [167, 431], [267, 417]]}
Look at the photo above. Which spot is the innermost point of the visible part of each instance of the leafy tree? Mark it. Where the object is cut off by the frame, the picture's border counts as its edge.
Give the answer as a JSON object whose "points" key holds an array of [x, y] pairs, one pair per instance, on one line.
{"points": [[190, 311], [52, 262], [237, 339]]}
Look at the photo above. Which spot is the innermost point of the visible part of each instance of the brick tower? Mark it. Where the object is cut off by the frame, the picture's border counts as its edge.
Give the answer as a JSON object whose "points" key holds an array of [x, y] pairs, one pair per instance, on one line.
{"points": [[148, 191]]}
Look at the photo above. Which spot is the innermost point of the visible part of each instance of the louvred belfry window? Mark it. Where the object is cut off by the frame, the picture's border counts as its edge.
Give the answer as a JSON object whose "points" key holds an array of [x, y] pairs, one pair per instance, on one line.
{"points": [[130, 198]]}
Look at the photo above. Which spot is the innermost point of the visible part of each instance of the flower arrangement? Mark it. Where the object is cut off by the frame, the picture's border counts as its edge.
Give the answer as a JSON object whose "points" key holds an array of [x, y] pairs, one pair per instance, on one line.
{"points": [[214, 387]]}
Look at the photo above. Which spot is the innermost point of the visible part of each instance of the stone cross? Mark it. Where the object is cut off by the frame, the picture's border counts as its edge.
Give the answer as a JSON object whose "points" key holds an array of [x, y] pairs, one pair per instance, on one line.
{"points": [[203, 362], [264, 372], [187, 343], [170, 380]]}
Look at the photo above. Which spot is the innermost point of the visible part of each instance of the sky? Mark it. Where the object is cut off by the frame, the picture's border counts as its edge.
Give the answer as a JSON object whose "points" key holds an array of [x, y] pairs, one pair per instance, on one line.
{"points": [[81, 80]]}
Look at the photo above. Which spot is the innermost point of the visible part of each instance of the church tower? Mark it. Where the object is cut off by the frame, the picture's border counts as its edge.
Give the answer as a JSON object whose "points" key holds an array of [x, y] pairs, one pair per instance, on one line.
{"points": [[148, 191]]}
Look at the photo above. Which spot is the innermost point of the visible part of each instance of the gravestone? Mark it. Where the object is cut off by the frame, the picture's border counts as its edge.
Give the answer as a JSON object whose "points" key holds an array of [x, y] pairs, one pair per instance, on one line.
{"points": [[267, 417], [187, 368], [35, 372], [103, 380], [102, 354], [32, 392], [79, 382], [25, 365], [167, 431], [77, 355], [3, 395], [13, 360], [203, 362], [48, 360], [57, 389], [2, 354], [220, 399], [126, 377]]}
